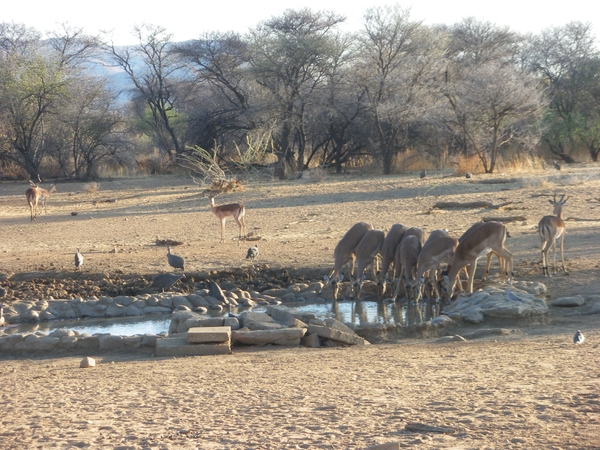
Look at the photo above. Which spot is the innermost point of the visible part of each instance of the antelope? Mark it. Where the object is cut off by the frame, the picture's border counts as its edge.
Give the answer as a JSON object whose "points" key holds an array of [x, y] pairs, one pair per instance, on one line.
{"points": [[489, 254], [550, 229], [434, 253], [33, 195], [344, 252], [479, 240], [418, 232], [366, 254], [237, 211], [388, 250], [434, 235], [406, 257], [44, 194]]}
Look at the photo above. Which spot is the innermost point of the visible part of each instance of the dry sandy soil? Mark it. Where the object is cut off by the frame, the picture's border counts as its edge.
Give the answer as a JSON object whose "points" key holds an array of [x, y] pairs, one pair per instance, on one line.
{"points": [[534, 389]]}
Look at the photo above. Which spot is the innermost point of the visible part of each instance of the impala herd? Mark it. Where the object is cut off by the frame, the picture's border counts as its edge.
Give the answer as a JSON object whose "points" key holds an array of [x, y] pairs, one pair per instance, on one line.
{"points": [[432, 267], [418, 267]]}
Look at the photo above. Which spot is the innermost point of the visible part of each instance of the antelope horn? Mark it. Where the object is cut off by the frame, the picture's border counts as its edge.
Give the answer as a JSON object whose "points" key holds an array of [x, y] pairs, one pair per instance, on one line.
{"points": [[561, 199]]}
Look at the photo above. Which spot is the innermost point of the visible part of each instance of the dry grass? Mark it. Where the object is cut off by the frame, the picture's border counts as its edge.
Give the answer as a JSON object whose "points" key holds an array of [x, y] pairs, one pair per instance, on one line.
{"points": [[90, 188], [468, 164], [521, 163]]}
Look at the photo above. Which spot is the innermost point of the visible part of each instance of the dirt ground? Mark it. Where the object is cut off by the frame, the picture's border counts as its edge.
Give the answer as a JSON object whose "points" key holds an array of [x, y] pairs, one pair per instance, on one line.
{"points": [[533, 389]]}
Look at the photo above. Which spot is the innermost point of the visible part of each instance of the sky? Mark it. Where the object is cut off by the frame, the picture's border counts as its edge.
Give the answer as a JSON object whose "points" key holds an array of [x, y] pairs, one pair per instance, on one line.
{"points": [[188, 20]]}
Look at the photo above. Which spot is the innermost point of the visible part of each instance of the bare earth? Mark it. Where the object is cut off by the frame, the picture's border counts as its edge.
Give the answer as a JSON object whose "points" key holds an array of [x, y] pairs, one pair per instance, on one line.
{"points": [[535, 389]]}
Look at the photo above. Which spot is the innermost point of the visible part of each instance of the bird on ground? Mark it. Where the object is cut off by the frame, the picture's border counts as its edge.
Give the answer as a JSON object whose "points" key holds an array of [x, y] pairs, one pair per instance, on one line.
{"points": [[2, 319], [78, 259], [578, 338], [252, 253], [165, 280], [468, 175], [2, 292], [556, 165], [423, 173], [175, 261]]}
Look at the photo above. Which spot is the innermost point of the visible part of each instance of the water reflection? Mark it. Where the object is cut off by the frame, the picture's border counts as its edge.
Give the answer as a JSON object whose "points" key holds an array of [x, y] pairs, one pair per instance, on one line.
{"points": [[356, 312]]}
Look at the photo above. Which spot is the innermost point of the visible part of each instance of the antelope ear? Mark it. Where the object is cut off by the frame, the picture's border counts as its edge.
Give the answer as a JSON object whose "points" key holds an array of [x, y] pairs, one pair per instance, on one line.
{"points": [[551, 202]]}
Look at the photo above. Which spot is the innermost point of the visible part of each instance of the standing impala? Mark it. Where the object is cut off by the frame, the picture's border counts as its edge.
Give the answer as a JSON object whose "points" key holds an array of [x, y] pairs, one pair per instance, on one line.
{"points": [[44, 194], [33, 195], [237, 211], [479, 240], [550, 229]]}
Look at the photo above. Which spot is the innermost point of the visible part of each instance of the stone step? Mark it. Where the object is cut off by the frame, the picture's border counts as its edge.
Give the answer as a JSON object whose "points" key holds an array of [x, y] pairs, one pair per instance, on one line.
{"points": [[204, 335], [179, 346]]}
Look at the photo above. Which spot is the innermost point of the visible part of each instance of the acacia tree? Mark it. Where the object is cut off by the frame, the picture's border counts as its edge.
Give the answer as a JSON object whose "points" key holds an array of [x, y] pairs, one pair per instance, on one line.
{"points": [[566, 59], [492, 101], [399, 61], [218, 106], [89, 130], [154, 71], [498, 105], [31, 86], [289, 55]]}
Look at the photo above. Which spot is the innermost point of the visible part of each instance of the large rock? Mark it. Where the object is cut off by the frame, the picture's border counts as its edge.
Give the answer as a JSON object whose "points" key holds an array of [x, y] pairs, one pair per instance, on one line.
{"points": [[282, 314], [91, 309], [110, 342], [284, 336], [247, 318], [576, 300], [336, 331], [182, 321], [494, 302]]}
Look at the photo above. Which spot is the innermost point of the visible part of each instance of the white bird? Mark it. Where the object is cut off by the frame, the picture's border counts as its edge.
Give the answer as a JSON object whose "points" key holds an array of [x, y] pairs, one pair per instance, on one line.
{"points": [[252, 253], [578, 338], [78, 260], [512, 296]]}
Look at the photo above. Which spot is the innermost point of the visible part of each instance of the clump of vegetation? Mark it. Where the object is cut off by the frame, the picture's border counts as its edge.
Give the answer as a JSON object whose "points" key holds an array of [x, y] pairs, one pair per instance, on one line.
{"points": [[91, 187], [468, 164]]}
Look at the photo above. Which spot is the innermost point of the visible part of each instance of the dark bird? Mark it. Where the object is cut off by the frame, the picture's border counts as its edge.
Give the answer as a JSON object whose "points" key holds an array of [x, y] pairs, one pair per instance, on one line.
{"points": [[165, 280], [175, 261], [556, 165], [423, 173], [78, 260], [2, 292], [578, 338], [252, 253], [468, 175]]}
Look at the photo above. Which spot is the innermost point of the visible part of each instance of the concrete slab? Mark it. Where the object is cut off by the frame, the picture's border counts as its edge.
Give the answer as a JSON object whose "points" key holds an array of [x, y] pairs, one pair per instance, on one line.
{"points": [[178, 346], [202, 335]]}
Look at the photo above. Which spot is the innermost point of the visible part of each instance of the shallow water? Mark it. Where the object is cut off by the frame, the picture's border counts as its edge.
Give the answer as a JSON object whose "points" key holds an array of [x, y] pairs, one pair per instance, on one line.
{"points": [[351, 311]]}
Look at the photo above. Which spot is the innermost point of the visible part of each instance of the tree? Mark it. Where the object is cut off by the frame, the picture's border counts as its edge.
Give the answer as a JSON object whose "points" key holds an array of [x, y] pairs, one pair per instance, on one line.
{"points": [[31, 86], [399, 62], [497, 105], [289, 56], [492, 101], [566, 59], [154, 71], [218, 106], [88, 131]]}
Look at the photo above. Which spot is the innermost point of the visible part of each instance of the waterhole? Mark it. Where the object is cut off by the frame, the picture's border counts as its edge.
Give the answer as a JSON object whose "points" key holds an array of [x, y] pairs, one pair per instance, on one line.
{"points": [[355, 312]]}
